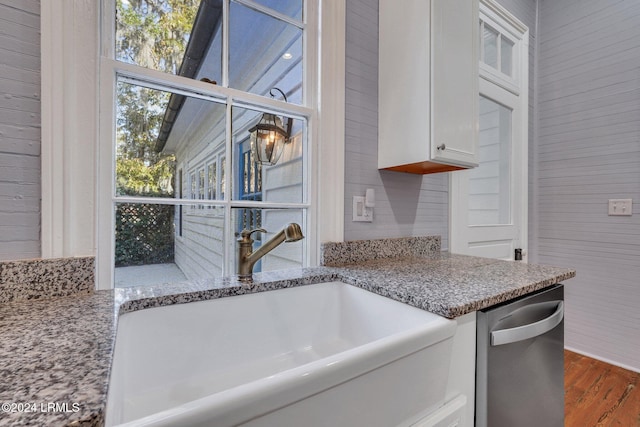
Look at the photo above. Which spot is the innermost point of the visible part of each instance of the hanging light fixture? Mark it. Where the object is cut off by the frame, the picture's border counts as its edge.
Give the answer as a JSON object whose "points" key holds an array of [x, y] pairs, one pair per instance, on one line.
{"points": [[269, 136]]}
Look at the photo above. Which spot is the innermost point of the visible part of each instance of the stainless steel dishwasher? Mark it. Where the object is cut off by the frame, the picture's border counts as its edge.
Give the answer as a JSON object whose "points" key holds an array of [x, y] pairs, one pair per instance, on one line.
{"points": [[520, 362]]}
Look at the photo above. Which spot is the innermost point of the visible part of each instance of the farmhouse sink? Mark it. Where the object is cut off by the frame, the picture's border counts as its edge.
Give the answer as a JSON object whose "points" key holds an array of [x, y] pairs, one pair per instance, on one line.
{"points": [[328, 354]]}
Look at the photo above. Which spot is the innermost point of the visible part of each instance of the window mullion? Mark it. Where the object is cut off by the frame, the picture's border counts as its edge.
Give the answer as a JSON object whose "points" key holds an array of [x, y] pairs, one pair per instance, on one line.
{"points": [[229, 174], [499, 51], [482, 41], [225, 43]]}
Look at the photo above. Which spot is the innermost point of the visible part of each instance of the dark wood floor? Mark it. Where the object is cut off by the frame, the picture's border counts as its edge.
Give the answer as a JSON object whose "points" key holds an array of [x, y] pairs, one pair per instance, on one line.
{"points": [[599, 394]]}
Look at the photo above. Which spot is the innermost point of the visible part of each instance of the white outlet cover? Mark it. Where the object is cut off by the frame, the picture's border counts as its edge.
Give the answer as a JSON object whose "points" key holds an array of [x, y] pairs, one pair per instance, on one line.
{"points": [[620, 207], [361, 213]]}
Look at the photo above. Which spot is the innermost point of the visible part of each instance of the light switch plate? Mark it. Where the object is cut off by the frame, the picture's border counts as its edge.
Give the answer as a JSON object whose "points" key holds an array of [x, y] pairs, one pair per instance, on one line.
{"points": [[361, 213], [622, 207]]}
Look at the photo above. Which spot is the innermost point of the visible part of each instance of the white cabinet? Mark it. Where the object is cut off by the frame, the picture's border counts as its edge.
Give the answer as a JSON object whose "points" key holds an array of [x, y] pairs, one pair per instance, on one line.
{"points": [[428, 85]]}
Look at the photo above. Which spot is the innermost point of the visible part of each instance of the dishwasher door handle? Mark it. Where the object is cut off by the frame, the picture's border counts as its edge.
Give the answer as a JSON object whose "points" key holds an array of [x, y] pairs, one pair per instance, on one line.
{"points": [[521, 333]]}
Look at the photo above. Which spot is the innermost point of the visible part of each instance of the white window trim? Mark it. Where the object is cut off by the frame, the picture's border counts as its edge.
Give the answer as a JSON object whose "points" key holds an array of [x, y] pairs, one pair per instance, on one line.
{"points": [[329, 182], [71, 96], [69, 86]]}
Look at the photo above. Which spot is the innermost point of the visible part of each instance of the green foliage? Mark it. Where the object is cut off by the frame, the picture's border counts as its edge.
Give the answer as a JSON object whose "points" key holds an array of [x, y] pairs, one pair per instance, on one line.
{"points": [[139, 167], [144, 234], [134, 178], [152, 34]]}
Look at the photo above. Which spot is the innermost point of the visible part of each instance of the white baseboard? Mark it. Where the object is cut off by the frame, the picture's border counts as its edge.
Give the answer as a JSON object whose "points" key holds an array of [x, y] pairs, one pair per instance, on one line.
{"points": [[602, 359]]}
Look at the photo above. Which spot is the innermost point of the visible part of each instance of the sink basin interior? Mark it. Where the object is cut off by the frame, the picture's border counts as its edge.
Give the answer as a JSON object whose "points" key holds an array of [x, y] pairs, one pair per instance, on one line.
{"points": [[234, 347]]}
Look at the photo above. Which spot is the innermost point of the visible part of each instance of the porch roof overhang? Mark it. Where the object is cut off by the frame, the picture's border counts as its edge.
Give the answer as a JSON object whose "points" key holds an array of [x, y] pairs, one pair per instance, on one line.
{"points": [[208, 20]]}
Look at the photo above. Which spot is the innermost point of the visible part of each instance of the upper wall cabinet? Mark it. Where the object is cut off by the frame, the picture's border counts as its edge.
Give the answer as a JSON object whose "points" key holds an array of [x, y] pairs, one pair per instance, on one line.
{"points": [[428, 85]]}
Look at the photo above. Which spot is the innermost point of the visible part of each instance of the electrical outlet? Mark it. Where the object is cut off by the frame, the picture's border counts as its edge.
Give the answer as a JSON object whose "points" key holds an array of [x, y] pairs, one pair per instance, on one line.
{"points": [[620, 207], [361, 213]]}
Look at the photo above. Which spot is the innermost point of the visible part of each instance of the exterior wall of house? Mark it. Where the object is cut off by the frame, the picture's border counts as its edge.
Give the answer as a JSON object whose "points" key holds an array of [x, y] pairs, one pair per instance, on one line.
{"points": [[199, 252], [589, 152], [19, 129], [281, 182], [406, 204], [199, 248], [199, 230]]}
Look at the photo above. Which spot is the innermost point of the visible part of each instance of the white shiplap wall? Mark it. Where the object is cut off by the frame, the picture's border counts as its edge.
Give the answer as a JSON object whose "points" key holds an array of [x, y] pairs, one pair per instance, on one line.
{"points": [[19, 129], [406, 205], [588, 152]]}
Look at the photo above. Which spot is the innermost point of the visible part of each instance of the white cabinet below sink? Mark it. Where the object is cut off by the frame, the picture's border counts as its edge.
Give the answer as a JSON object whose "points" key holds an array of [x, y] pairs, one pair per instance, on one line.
{"points": [[428, 85]]}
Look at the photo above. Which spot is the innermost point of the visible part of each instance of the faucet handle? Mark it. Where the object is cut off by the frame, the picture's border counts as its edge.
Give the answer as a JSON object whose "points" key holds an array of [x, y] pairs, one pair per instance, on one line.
{"points": [[246, 234]]}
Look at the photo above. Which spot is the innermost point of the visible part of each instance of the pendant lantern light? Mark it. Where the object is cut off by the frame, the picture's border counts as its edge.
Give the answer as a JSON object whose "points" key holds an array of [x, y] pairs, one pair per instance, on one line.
{"points": [[269, 136]]}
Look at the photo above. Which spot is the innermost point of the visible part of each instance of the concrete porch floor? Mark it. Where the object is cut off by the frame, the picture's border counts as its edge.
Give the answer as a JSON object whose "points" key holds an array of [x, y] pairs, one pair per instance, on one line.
{"points": [[153, 274]]}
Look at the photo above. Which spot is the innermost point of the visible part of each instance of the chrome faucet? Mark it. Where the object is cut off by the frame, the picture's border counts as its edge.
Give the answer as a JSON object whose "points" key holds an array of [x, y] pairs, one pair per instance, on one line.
{"points": [[247, 258]]}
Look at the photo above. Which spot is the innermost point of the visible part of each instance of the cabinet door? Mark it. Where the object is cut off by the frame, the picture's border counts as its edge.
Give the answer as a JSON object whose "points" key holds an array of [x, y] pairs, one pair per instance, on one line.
{"points": [[454, 81], [403, 83]]}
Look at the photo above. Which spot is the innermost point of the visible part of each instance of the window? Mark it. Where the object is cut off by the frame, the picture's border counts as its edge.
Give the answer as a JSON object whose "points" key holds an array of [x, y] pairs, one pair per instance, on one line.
{"points": [[175, 113], [201, 185], [194, 186], [490, 182], [212, 181], [499, 57]]}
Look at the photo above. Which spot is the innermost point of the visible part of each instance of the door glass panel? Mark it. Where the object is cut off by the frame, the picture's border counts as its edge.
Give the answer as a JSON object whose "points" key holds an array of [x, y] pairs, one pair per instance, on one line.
{"points": [[506, 56], [490, 182], [490, 40]]}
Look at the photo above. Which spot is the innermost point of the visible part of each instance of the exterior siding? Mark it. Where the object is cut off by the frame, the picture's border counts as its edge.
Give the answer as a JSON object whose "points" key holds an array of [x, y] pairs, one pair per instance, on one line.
{"points": [[589, 152], [200, 251], [406, 205], [19, 129]]}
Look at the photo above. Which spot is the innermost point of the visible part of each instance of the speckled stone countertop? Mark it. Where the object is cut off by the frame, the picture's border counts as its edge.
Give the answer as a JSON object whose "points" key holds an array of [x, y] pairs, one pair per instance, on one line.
{"points": [[59, 350], [451, 285], [42, 278]]}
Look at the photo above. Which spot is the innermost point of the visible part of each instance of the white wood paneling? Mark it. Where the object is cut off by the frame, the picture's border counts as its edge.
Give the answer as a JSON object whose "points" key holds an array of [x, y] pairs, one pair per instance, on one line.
{"points": [[588, 146], [406, 205], [19, 129]]}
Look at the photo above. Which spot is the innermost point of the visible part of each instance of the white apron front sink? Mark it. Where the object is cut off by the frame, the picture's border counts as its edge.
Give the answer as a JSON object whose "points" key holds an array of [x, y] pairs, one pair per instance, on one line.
{"points": [[328, 354]]}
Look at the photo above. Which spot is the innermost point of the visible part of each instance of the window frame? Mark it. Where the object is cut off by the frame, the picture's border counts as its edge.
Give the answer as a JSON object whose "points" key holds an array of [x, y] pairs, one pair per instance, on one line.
{"points": [[74, 96], [112, 71], [511, 30]]}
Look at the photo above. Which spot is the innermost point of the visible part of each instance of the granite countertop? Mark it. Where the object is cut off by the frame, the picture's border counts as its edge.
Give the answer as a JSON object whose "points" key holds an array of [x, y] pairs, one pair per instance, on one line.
{"points": [[56, 353]]}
